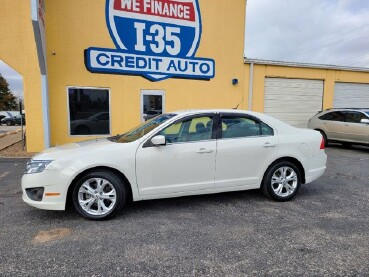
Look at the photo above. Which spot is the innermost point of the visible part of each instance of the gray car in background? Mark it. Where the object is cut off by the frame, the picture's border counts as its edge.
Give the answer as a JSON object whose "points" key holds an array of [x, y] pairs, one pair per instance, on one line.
{"points": [[347, 126]]}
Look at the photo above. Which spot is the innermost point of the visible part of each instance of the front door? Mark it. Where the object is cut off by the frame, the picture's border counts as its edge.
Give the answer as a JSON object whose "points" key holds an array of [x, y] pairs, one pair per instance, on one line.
{"points": [[185, 164]]}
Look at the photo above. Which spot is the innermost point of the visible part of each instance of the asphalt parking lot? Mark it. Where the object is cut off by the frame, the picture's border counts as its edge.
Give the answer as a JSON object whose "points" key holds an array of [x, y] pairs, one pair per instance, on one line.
{"points": [[323, 232]]}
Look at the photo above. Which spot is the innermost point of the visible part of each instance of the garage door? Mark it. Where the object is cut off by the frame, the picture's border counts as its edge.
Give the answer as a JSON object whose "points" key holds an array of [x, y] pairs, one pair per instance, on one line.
{"points": [[293, 101], [351, 95]]}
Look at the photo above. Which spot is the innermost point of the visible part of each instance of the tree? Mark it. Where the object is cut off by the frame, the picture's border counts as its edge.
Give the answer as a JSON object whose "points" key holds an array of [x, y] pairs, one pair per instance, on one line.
{"points": [[8, 101]]}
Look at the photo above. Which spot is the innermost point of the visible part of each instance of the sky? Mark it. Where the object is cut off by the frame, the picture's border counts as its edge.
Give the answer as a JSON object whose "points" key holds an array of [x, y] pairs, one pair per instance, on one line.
{"points": [[313, 31], [14, 79]]}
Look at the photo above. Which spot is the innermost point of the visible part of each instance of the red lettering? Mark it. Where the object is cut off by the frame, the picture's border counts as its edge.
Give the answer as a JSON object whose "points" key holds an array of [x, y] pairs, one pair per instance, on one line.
{"points": [[162, 8]]}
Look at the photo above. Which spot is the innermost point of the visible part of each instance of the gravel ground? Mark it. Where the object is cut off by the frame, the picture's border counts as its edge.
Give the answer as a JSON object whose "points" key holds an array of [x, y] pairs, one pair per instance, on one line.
{"points": [[16, 150], [323, 232]]}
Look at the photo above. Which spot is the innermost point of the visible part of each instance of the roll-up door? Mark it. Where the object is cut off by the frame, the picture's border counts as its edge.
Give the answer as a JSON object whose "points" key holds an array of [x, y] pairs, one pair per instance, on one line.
{"points": [[351, 95], [293, 101]]}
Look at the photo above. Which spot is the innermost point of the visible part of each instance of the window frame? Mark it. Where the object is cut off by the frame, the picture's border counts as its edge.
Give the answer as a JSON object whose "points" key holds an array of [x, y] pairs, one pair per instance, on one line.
{"points": [[68, 111], [213, 131], [346, 113], [330, 113], [247, 116]]}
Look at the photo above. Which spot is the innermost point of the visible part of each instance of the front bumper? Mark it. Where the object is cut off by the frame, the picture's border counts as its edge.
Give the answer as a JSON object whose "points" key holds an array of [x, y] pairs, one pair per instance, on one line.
{"points": [[54, 182]]}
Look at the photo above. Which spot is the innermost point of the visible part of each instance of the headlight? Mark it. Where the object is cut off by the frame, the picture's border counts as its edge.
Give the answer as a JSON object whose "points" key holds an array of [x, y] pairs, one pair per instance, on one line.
{"points": [[36, 166]]}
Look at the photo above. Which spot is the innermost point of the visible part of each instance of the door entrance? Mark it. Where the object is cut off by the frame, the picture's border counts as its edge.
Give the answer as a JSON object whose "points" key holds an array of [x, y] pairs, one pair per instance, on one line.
{"points": [[152, 103]]}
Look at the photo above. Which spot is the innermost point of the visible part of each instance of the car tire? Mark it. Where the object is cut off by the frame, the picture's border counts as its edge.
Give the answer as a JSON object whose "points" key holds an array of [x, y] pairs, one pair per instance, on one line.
{"points": [[99, 195], [281, 181], [8, 123], [325, 138], [346, 144]]}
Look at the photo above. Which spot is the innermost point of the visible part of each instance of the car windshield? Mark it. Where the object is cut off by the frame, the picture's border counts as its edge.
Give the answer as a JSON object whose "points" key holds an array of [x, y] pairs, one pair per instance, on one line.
{"points": [[367, 112], [142, 129]]}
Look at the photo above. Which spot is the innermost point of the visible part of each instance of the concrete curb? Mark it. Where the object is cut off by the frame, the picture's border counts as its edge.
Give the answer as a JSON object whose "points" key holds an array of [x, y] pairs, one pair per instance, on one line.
{"points": [[10, 133]]}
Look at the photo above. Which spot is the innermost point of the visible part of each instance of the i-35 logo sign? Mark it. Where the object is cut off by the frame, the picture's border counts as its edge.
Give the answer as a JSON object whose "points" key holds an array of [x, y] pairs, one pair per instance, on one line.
{"points": [[157, 39]]}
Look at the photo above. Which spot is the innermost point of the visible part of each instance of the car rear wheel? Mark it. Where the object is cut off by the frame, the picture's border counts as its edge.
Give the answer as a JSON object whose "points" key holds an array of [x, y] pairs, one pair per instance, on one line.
{"points": [[281, 181], [99, 195]]}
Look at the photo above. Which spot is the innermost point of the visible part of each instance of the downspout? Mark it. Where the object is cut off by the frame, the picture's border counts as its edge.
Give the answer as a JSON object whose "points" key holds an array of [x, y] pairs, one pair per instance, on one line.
{"points": [[251, 79], [37, 15]]}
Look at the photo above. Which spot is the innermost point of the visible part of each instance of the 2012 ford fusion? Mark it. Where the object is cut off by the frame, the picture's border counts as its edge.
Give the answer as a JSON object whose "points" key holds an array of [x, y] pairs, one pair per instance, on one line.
{"points": [[176, 154]]}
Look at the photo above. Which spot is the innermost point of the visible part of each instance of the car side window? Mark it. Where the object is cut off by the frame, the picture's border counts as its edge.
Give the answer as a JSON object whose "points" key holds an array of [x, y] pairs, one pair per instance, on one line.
{"points": [[333, 116], [354, 117], [189, 130], [242, 126]]}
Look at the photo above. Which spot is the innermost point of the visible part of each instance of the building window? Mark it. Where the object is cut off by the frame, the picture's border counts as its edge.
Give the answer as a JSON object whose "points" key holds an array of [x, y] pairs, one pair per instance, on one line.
{"points": [[152, 103], [89, 111]]}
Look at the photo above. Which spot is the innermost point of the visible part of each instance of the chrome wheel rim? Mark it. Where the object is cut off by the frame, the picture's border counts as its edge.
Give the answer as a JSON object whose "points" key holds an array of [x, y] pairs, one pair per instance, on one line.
{"points": [[97, 196], [284, 181]]}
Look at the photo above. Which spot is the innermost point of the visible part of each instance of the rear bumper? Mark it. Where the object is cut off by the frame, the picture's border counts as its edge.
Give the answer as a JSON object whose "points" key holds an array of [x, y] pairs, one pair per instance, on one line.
{"points": [[317, 168], [314, 174]]}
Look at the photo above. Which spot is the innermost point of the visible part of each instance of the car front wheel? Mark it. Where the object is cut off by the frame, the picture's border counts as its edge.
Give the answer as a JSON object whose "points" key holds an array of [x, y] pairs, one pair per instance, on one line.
{"points": [[281, 181], [99, 195]]}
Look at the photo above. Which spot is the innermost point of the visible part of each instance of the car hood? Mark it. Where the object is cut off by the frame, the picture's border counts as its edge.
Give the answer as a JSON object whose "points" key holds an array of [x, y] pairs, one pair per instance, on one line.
{"points": [[72, 149]]}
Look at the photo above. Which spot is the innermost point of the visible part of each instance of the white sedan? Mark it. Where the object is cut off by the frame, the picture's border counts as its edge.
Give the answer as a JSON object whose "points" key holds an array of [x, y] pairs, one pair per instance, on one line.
{"points": [[176, 154]]}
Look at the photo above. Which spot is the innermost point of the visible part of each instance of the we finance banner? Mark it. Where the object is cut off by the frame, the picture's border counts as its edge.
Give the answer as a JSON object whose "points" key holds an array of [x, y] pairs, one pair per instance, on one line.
{"points": [[157, 39]]}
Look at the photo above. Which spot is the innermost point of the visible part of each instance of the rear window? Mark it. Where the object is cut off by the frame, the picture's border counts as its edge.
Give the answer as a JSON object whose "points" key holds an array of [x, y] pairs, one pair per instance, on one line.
{"points": [[333, 116]]}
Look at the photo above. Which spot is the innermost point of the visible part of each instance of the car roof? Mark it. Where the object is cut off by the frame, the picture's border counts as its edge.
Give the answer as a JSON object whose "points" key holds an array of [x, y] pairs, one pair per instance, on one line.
{"points": [[282, 127], [196, 111], [347, 109]]}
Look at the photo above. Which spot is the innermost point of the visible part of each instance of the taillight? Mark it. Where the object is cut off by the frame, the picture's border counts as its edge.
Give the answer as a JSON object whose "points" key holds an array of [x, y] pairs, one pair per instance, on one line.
{"points": [[322, 144]]}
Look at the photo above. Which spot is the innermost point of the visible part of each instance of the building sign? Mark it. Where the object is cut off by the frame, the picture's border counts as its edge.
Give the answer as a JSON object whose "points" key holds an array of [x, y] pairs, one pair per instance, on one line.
{"points": [[157, 39]]}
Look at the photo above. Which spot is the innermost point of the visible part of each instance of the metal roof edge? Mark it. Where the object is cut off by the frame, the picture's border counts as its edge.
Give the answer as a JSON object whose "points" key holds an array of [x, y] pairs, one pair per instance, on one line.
{"points": [[305, 65]]}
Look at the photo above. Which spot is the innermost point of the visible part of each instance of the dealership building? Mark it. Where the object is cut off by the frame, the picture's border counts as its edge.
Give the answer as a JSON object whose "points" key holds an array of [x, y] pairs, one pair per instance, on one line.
{"points": [[97, 68]]}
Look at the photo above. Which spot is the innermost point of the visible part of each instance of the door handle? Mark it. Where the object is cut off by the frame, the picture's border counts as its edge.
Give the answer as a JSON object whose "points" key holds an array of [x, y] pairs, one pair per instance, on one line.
{"points": [[204, 151], [269, 145]]}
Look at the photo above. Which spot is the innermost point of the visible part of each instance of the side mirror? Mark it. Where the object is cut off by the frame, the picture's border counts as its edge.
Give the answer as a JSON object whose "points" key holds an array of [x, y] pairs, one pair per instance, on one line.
{"points": [[159, 141], [365, 121]]}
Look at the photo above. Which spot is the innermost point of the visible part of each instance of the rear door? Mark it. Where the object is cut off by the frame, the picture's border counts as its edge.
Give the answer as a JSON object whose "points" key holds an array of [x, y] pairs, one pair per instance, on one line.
{"points": [[355, 130], [245, 148], [334, 125]]}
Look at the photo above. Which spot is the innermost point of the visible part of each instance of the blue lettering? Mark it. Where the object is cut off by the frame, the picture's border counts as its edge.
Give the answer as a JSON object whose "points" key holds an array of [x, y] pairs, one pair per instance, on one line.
{"points": [[184, 69], [141, 63], [116, 59], [193, 66], [206, 70], [130, 62], [100, 62], [157, 63], [172, 65]]}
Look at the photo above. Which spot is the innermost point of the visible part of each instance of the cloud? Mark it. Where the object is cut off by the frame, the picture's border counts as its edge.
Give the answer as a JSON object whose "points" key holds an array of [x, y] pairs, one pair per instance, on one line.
{"points": [[315, 31]]}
